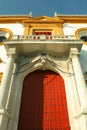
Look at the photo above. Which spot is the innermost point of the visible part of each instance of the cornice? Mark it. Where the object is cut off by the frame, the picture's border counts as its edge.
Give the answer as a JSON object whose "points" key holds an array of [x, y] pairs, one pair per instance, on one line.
{"points": [[43, 19], [73, 18]]}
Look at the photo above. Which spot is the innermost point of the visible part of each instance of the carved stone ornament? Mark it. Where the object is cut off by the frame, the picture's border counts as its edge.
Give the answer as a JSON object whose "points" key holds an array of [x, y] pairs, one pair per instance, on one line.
{"points": [[42, 61]]}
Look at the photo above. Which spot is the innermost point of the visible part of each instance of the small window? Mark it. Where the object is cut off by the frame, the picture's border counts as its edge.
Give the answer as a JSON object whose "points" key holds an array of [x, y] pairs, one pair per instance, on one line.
{"points": [[42, 33]]}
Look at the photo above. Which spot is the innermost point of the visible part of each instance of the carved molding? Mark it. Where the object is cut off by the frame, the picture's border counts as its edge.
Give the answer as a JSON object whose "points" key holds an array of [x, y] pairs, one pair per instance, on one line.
{"points": [[74, 52], [81, 113], [42, 61]]}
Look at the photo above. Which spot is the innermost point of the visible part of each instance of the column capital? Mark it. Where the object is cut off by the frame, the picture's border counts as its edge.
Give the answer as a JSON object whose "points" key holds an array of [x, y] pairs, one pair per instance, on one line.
{"points": [[11, 52], [74, 52]]}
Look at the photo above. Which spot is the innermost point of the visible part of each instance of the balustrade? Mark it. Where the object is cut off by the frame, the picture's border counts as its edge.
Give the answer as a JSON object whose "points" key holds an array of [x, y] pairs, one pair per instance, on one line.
{"points": [[42, 37]]}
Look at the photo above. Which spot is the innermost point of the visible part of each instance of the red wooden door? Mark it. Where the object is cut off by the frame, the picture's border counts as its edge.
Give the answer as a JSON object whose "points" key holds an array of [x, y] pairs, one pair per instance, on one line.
{"points": [[43, 103]]}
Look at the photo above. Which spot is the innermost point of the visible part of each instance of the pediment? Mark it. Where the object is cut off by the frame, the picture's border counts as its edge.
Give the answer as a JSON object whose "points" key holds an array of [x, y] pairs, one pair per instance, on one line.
{"points": [[44, 19]]}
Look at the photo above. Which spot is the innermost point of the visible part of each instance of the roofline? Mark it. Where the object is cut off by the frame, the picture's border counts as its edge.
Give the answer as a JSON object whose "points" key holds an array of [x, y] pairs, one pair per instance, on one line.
{"points": [[77, 15], [58, 15], [14, 15]]}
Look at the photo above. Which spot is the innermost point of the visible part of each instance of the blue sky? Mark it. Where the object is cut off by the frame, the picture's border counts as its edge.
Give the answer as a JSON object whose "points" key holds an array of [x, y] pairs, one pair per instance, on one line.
{"points": [[43, 7]]}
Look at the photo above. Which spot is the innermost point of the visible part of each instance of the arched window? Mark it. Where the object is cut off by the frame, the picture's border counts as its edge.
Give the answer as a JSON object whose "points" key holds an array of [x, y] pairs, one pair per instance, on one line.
{"points": [[5, 34], [82, 34]]}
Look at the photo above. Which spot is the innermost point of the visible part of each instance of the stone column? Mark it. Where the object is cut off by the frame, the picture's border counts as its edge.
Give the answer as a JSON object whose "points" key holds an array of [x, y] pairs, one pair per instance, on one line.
{"points": [[6, 78], [80, 116], [4, 89], [79, 78]]}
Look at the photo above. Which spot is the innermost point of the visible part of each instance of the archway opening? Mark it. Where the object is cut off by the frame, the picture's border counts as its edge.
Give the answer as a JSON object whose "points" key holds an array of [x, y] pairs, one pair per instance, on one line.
{"points": [[43, 102]]}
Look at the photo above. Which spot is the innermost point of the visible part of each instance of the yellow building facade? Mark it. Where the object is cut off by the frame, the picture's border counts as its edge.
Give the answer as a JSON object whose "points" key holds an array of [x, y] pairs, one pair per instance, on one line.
{"points": [[43, 72]]}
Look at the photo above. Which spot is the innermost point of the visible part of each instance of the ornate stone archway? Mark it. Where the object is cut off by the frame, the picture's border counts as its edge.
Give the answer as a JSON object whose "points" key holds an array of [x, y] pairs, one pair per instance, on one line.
{"points": [[66, 64]]}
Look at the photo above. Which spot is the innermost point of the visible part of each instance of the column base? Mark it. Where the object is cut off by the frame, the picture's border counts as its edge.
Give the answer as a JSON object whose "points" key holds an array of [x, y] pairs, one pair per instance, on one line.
{"points": [[4, 116], [81, 117]]}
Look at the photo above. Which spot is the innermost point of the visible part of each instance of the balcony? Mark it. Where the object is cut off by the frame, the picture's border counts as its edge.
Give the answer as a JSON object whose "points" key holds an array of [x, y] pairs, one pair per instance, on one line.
{"points": [[50, 43]]}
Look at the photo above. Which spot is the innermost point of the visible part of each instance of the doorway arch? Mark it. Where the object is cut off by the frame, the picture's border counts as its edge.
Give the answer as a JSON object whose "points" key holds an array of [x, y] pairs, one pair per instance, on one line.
{"points": [[43, 103]]}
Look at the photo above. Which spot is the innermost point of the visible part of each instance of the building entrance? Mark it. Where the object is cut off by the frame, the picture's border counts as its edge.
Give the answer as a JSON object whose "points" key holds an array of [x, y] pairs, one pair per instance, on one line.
{"points": [[43, 102]]}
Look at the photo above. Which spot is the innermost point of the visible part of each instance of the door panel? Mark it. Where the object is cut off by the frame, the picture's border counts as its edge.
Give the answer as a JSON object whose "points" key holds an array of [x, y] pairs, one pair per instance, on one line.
{"points": [[43, 103]]}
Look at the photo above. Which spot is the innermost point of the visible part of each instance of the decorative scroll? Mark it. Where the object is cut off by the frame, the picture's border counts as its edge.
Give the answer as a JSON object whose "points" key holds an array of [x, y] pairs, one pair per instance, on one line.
{"points": [[42, 61]]}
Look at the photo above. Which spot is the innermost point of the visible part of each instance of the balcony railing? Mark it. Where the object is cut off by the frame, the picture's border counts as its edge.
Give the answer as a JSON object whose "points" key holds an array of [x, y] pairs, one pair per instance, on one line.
{"points": [[42, 37], [51, 43]]}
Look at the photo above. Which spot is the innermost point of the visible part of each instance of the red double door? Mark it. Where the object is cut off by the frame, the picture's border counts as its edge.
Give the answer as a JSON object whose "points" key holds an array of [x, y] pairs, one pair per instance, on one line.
{"points": [[43, 103]]}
